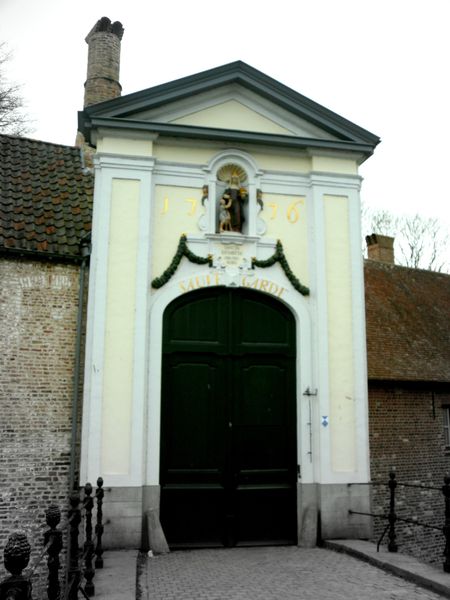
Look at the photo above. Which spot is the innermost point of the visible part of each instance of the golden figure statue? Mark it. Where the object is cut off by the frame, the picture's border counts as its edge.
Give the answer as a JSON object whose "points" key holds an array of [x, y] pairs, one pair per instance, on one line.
{"points": [[224, 213], [234, 198]]}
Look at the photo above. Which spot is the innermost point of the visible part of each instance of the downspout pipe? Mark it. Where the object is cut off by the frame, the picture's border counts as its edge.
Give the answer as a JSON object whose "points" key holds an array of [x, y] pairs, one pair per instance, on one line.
{"points": [[85, 252]]}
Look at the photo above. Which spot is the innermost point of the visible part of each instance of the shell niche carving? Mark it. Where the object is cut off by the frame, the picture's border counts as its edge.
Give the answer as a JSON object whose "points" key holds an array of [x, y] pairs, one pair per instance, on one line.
{"points": [[233, 175]]}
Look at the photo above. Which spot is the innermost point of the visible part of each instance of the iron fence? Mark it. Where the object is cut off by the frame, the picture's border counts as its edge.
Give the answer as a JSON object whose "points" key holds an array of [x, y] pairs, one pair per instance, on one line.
{"points": [[392, 517], [80, 564]]}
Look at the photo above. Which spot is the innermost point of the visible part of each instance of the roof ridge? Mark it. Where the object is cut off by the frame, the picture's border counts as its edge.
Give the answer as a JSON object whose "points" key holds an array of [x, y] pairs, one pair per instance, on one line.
{"points": [[38, 141], [390, 266]]}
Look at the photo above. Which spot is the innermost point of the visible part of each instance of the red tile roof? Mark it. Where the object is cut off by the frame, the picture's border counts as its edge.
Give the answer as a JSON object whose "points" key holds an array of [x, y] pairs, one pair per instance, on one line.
{"points": [[45, 197], [408, 323]]}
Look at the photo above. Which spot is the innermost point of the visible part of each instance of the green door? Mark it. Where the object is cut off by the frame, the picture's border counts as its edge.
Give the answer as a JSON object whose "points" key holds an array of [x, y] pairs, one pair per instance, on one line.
{"points": [[228, 423]]}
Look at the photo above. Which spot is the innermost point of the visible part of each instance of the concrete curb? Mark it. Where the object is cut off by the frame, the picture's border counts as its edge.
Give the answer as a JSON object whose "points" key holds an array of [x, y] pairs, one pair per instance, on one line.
{"points": [[401, 565], [141, 577]]}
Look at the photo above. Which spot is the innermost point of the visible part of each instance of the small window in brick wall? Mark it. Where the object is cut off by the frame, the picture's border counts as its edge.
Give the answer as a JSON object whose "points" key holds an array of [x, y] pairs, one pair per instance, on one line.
{"points": [[446, 416]]}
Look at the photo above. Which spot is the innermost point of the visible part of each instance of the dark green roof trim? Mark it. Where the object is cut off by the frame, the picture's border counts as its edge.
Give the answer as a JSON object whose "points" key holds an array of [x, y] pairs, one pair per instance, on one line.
{"points": [[16, 253], [225, 135], [240, 73]]}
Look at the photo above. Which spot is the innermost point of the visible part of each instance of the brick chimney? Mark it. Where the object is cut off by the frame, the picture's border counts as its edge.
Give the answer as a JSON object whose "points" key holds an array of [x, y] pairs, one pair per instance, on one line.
{"points": [[102, 80], [380, 248]]}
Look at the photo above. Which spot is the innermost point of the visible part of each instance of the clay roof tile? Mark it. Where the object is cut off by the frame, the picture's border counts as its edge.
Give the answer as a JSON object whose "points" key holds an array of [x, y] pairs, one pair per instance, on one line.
{"points": [[41, 185], [407, 323]]}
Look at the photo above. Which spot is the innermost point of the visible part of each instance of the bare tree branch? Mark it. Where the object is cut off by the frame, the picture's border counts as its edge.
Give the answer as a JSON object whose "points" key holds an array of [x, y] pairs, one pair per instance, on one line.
{"points": [[420, 242], [13, 119]]}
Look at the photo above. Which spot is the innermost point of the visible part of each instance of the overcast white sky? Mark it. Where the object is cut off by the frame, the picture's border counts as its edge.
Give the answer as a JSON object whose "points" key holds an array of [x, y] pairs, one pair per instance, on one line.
{"points": [[383, 64]]}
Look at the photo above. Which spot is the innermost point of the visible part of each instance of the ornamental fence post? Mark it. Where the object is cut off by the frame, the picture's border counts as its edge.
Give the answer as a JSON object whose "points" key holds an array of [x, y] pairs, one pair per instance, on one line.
{"points": [[54, 536], [74, 515], [392, 517], [16, 558], [89, 571], [446, 529], [99, 493]]}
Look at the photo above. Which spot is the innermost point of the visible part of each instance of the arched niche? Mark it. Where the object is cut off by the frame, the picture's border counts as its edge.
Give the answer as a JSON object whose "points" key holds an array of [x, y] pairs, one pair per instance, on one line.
{"points": [[234, 174]]}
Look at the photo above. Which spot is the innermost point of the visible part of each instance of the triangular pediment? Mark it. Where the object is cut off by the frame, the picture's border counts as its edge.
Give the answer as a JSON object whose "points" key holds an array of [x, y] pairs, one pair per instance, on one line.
{"points": [[233, 107], [227, 100], [232, 114]]}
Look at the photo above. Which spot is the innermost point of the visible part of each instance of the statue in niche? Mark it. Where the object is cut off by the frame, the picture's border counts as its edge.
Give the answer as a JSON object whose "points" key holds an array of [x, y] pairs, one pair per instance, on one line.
{"points": [[233, 199], [224, 213]]}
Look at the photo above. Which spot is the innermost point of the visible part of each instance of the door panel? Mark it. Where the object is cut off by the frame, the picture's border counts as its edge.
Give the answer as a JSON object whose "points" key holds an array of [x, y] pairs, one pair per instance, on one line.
{"points": [[262, 327], [266, 515], [194, 440], [193, 326], [192, 515], [228, 443]]}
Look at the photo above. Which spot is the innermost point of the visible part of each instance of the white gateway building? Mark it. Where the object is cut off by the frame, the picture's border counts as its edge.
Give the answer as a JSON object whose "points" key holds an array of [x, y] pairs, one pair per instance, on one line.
{"points": [[225, 381]]}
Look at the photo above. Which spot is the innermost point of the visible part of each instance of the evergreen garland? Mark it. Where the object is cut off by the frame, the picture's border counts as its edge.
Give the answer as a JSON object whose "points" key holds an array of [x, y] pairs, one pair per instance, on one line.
{"points": [[278, 256], [182, 250]]}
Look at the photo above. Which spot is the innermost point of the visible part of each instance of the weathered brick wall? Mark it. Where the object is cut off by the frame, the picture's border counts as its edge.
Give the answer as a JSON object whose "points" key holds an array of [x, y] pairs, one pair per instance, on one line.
{"points": [[406, 431], [38, 314]]}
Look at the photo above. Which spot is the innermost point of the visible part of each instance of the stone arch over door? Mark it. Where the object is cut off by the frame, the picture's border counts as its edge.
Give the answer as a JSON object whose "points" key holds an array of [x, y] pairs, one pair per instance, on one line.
{"points": [[305, 376], [228, 471]]}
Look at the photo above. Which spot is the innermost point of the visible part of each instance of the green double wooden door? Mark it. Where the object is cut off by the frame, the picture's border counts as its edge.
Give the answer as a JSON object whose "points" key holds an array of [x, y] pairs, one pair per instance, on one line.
{"points": [[228, 423]]}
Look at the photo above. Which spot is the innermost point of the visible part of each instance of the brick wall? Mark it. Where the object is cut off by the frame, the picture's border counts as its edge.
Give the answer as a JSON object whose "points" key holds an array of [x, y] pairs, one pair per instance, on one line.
{"points": [[38, 310], [406, 431]]}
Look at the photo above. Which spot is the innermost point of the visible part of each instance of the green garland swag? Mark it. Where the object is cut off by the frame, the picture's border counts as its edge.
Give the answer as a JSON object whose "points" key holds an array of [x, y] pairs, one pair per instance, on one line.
{"points": [[182, 250], [279, 257]]}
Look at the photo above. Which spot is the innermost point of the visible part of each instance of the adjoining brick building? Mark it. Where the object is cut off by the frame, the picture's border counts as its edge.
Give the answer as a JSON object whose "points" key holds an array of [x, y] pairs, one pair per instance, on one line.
{"points": [[171, 160], [408, 357], [45, 214]]}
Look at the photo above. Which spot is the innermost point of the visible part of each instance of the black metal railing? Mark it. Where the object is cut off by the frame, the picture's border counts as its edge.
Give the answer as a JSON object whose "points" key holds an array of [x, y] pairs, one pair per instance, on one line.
{"points": [[79, 572], [393, 518]]}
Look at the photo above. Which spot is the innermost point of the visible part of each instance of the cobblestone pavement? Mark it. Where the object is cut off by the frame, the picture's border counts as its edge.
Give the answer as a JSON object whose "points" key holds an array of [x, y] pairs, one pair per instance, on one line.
{"points": [[275, 573]]}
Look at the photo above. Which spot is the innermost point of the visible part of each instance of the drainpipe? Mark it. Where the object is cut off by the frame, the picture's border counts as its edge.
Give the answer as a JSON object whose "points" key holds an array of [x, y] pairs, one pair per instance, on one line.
{"points": [[85, 251]]}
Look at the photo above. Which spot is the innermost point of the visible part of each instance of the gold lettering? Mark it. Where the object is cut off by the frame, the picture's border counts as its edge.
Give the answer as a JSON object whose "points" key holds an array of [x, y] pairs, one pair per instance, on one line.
{"points": [[199, 281], [165, 206], [193, 208], [274, 208], [271, 289], [292, 212], [264, 285]]}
